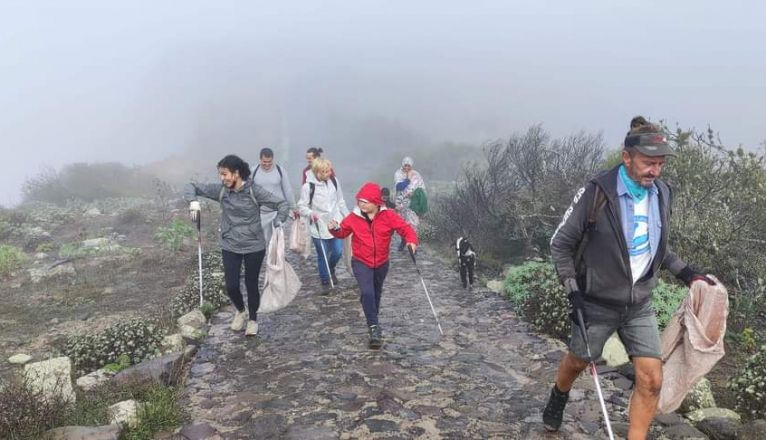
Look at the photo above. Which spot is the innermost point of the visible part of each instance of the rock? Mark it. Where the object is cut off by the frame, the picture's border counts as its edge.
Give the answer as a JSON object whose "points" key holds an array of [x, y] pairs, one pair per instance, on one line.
{"points": [[93, 379], [172, 343], [19, 359], [125, 412], [669, 419], [93, 212], [195, 319], [102, 242], [41, 256], [107, 432], [52, 378], [39, 274], [199, 431], [614, 353], [496, 286], [684, 431], [191, 333], [699, 397], [164, 369], [720, 428], [752, 430], [706, 413]]}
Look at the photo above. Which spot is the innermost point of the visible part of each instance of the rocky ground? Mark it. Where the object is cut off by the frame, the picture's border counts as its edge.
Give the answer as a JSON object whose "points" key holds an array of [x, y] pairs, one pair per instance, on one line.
{"points": [[309, 373]]}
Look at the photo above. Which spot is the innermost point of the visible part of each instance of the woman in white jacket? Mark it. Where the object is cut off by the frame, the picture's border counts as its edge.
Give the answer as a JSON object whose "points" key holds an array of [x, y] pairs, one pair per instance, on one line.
{"points": [[321, 201]]}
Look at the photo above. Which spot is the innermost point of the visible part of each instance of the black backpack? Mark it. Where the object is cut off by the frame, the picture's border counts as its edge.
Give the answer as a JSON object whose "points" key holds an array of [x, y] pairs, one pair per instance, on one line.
{"points": [[259, 166], [313, 187]]}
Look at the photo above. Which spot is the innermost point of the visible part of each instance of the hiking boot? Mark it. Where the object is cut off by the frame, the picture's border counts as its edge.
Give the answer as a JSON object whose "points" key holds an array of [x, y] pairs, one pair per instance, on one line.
{"points": [[554, 410], [325, 289], [252, 328], [334, 278], [238, 323], [376, 337]]}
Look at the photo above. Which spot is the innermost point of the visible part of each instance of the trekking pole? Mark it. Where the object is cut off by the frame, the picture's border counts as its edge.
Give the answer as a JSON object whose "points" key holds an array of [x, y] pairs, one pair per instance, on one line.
{"points": [[199, 254], [594, 372], [412, 255], [324, 254]]}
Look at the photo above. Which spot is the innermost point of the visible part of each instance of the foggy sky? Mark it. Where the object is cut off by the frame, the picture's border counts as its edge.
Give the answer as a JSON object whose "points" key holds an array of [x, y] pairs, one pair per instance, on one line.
{"points": [[138, 81]]}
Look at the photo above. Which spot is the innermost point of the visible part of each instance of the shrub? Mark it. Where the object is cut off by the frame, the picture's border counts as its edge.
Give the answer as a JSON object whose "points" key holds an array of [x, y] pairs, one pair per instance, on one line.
{"points": [[138, 339], [749, 385], [542, 301], [159, 412], [11, 259], [25, 411], [173, 235], [213, 291]]}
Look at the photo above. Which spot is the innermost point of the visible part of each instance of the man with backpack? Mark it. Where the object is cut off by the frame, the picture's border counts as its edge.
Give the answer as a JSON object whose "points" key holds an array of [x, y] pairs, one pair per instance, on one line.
{"points": [[242, 239], [608, 251], [273, 178]]}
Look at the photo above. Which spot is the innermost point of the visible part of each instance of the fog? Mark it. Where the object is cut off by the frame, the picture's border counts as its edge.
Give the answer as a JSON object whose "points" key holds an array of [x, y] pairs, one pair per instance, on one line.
{"points": [[141, 81]]}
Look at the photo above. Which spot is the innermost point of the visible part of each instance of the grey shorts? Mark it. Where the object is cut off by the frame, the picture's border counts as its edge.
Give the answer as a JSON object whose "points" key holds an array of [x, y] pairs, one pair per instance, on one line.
{"points": [[636, 326]]}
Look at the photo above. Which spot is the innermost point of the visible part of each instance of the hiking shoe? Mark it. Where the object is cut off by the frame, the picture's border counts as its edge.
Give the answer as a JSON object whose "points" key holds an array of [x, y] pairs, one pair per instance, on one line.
{"points": [[554, 410], [252, 328], [334, 278], [376, 337], [325, 290], [238, 323]]}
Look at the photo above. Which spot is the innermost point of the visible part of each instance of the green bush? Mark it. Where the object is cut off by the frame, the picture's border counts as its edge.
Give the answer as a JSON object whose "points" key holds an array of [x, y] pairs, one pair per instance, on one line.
{"points": [[173, 235], [11, 259], [542, 301], [213, 286], [159, 412], [138, 339], [749, 385]]}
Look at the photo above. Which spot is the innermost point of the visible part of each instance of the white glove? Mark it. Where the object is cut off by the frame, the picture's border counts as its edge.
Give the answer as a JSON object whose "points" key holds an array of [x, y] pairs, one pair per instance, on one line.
{"points": [[194, 210]]}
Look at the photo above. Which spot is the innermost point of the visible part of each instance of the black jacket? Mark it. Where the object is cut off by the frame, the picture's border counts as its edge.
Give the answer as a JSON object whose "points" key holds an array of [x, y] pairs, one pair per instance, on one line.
{"points": [[604, 273]]}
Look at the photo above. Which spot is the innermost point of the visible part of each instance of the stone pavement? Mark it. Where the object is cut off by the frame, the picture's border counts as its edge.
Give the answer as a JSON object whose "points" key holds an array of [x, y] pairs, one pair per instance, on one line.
{"points": [[309, 373]]}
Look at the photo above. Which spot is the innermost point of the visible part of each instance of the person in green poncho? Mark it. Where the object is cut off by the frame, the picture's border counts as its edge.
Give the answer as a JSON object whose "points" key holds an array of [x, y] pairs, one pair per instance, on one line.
{"points": [[410, 195]]}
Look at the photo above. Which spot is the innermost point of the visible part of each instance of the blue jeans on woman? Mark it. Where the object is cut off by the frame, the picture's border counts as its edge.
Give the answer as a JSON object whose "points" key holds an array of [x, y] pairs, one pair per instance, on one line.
{"points": [[333, 247]]}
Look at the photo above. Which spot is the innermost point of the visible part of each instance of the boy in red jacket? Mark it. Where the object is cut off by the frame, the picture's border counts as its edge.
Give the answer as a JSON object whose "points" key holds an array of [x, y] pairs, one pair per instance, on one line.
{"points": [[373, 225]]}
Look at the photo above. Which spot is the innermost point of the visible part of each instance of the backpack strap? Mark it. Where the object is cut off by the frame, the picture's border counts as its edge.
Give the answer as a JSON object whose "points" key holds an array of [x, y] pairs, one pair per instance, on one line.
{"points": [[599, 200], [257, 167], [252, 196], [313, 187]]}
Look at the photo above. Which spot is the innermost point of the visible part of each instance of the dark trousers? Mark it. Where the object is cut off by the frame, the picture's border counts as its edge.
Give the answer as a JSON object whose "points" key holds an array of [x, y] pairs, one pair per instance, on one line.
{"points": [[232, 265], [371, 286], [466, 270]]}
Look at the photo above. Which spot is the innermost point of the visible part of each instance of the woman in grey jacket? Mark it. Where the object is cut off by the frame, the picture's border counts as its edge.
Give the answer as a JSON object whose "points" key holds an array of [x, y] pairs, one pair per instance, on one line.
{"points": [[242, 236]]}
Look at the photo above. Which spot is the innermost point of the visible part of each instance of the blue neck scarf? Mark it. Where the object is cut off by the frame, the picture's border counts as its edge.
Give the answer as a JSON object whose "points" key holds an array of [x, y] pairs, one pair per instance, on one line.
{"points": [[635, 190]]}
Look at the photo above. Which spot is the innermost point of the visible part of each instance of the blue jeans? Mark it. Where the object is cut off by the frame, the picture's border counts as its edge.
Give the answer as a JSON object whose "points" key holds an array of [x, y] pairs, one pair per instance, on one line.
{"points": [[371, 286], [334, 249]]}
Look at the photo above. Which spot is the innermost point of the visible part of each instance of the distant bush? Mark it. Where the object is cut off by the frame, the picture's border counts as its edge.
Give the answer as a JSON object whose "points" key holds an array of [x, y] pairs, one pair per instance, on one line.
{"points": [[11, 259], [88, 182], [138, 339], [542, 301], [749, 385], [172, 236]]}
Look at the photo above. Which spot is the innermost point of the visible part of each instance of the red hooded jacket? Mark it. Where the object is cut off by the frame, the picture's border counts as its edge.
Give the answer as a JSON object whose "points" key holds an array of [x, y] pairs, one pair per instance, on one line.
{"points": [[371, 240]]}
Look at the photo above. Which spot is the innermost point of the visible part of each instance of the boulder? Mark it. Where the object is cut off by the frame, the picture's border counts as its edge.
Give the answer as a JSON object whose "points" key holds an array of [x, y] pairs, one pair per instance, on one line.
{"points": [[124, 413], [699, 397], [102, 242], [614, 353], [53, 378], [701, 414], [192, 334], [107, 432], [720, 428], [172, 343], [199, 431], [164, 369], [753, 430], [93, 379], [195, 319], [19, 359], [496, 286], [683, 431]]}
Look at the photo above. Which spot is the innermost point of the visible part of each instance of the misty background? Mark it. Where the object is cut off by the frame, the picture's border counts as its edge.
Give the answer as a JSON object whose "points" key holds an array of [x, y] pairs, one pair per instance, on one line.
{"points": [[141, 82]]}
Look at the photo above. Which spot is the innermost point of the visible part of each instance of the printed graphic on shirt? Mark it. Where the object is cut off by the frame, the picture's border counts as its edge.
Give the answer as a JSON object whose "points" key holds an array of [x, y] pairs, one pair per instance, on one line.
{"points": [[639, 248]]}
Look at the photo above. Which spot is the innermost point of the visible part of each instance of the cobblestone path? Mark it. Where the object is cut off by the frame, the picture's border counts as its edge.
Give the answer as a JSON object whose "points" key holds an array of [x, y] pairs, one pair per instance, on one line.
{"points": [[310, 375]]}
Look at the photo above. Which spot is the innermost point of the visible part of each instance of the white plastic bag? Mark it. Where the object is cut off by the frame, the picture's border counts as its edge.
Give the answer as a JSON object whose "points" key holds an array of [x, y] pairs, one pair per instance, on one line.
{"points": [[281, 283], [300, 241]]}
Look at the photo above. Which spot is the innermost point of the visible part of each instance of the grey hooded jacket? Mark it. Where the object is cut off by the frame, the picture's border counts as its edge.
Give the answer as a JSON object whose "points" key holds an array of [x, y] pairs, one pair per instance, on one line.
{"points": [[241, 230], [604, 273]]}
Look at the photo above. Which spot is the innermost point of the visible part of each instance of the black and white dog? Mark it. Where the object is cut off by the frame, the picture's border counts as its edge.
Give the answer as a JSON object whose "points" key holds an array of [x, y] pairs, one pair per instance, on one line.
{"points": [[466, 258]]}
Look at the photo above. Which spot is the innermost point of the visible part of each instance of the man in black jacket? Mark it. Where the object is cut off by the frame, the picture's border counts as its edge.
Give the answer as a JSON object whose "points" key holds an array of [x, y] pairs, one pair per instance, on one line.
{"points": [[608, 251]]}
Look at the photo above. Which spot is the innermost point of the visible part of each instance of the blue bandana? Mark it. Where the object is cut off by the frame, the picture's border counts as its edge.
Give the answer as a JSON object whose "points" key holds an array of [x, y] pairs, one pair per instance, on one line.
{"points": [[635, 190]]}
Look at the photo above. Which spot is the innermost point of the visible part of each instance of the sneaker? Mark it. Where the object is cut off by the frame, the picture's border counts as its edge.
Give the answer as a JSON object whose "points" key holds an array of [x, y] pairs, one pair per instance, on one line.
{"points": [[554, 410], [334, 278], [325, 288], [252, 328], [376, 337], [238, 323]]}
